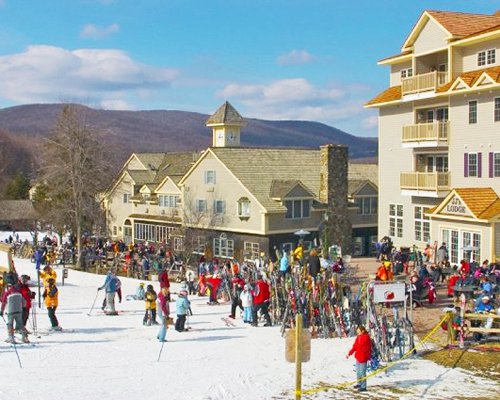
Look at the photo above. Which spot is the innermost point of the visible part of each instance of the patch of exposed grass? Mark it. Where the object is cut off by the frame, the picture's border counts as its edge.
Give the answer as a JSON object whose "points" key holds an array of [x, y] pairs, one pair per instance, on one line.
{"points": [[482, 363]]}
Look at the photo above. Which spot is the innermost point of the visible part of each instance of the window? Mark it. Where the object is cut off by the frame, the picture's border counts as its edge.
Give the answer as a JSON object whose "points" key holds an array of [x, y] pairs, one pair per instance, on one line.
{"points": [[201, 206], [126, 197], [168, 201], [396, 220], [406, 73], [497, 109], [422, 225], [243, 207], [199, 244], [153, 233], [457, 242], [366, 205], [209, 177], [496, 165], [472, 164], [219, 207], [251, 250], [223, 247], [473, 112], [296, 209], [178, 243], [115, 230], [486, 57]]}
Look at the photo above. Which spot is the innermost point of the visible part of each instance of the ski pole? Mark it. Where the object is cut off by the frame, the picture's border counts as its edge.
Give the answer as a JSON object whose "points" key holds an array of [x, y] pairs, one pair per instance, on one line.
{"points": [[93, 303], [14, 344], [161, 349]]}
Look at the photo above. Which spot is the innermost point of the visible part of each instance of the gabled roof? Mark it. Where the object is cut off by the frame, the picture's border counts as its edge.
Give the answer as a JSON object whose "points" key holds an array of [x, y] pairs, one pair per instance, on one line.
{"points": [[458, 25], [227, 115], [354, 186], [483, 203], [281, 188], [469, 79], [461, 24], [158, 166]]}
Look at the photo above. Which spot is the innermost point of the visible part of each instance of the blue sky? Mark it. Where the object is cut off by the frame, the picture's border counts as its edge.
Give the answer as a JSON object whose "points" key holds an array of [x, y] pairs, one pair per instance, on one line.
{"points": [[272, 59]]}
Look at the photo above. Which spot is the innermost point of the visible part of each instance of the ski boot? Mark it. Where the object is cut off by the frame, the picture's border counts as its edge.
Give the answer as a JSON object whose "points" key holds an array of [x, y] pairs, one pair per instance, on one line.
{"points": [[10, 339]]}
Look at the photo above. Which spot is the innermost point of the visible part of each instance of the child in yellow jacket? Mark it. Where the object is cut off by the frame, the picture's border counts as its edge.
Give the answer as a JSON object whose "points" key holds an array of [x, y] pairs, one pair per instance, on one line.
{"points": [[150, 299]]}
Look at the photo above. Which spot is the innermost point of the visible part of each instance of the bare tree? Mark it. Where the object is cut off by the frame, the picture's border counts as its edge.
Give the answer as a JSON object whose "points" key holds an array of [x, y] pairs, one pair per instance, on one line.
{"points": [[196, 231], [75, 167]]}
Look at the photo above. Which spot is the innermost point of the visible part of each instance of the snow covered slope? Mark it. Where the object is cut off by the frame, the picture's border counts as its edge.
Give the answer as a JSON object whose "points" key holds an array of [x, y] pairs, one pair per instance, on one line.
{"points": [[115, 357]]}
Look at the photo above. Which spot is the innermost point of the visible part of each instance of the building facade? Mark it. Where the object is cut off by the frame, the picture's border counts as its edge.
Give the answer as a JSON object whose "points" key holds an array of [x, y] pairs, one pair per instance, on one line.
{"points": [[439, 126], [231, 201]]}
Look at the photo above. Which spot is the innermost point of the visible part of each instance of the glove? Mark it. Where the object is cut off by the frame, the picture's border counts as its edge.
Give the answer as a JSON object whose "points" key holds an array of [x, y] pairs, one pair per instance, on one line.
{"points": [[1, 313], [99, 288], [33, 295]]}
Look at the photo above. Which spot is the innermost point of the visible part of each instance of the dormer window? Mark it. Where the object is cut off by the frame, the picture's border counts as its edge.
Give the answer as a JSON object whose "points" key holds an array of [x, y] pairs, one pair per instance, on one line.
{"points": [[486, 57], [209, 177], [126, 197], [297, 209]]}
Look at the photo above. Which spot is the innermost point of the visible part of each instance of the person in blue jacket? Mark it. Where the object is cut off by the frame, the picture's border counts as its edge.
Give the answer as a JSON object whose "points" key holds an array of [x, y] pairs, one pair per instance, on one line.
{"points": [[110, 286], [182, 305]]}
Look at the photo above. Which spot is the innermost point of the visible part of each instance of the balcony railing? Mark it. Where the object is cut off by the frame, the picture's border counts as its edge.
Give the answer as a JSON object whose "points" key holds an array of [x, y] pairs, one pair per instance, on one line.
{"points": [[425, 181], [429, 132], [423, 82]]}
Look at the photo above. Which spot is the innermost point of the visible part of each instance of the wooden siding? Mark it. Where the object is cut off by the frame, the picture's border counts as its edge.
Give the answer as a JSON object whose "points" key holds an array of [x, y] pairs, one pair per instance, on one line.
{"points": [[226, 188], [469, 55], [481, 137], [395, 74], [278, 222], [432, 37]]}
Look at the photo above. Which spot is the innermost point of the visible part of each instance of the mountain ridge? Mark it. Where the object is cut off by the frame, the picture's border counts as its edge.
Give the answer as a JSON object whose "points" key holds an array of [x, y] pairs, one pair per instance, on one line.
{"points": [[175, 130]]}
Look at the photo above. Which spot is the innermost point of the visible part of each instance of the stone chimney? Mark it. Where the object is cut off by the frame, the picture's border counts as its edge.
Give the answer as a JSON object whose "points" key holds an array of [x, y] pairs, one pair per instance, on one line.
{"points": [[333, 193]]}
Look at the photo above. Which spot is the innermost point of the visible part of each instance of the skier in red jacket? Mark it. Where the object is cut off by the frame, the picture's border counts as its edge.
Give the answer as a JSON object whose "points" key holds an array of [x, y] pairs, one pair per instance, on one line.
{"points": [[362, 350], [261, 297]]}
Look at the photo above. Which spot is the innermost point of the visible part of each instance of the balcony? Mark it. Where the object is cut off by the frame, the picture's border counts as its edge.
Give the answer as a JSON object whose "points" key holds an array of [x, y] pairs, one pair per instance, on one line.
{"points": [[423, 83], [425, 184], [431, 134]]}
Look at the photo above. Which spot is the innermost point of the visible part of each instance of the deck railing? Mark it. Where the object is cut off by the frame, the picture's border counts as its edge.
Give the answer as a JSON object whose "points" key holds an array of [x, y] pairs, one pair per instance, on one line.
{"points": [[428, 132], [423, 82], [428, 181]]}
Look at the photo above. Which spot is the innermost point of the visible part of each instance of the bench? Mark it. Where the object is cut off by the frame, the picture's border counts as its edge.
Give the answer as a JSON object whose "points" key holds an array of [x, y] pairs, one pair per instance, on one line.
{"points": [[483, 330]]}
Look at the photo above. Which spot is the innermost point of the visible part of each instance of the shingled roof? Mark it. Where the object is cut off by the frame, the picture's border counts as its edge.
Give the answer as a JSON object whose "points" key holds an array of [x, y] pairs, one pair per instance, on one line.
{"points": [[226, 114], [461, 24], [270, 165], [17, 210]]}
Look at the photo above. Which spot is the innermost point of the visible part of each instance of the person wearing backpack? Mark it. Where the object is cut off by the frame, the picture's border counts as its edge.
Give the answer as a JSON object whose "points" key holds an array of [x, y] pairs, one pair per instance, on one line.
{"points": [[13, 303]]}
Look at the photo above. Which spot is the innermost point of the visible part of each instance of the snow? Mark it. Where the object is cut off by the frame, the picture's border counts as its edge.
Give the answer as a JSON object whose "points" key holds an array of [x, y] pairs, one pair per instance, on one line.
{"points": [[115, 357]]}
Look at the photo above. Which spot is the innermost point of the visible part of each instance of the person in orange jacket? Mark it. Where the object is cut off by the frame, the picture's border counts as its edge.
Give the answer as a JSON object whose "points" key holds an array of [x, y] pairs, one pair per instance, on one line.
{"points": [[384, 272], [46, 274], [51, 300]]}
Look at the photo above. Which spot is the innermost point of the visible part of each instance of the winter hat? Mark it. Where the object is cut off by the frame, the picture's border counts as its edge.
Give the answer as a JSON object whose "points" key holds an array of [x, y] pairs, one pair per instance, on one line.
{"points": [[247, 286], [141, 284], [486, 298], [183, 292], [150, 287]]}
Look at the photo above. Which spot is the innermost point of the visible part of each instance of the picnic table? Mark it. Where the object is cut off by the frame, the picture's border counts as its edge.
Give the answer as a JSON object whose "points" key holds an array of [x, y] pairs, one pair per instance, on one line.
{"points": [[468, 290]]}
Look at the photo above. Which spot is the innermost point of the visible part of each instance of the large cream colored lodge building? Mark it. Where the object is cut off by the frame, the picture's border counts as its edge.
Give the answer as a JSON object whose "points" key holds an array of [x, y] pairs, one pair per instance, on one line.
{"points": [[439, 136]]}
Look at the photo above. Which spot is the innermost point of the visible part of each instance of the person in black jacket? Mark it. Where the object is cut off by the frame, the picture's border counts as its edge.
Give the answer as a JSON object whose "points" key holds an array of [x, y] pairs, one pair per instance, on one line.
{"points": [[313, 263]]}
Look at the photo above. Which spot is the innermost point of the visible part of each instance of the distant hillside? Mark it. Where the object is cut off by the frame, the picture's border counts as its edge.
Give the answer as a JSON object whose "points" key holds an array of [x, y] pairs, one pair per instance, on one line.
{"points": [[161, 130]]}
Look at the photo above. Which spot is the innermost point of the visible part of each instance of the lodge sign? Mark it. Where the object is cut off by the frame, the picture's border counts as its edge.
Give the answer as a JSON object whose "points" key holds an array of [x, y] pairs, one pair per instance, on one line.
{"points": [[456, 207]]}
